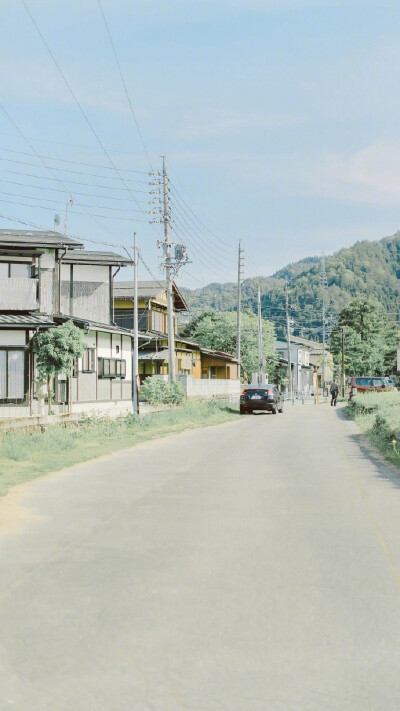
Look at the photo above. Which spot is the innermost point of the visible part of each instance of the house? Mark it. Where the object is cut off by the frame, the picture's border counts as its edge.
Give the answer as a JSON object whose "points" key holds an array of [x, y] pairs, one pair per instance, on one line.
{"points": [[307, 358], [199, 369], [152, 305], [45, 280]]}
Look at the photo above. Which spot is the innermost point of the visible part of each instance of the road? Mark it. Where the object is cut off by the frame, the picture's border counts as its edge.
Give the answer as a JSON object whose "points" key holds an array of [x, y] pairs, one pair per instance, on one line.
{"points": [[252, 566]]}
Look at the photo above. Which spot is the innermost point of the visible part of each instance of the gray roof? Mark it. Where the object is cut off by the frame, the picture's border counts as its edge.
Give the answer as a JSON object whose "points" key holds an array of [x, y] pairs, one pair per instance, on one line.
{"points": [[148, 290], [36, 238], [153, 355], [20, 320], [93, 325], [83, 256]]}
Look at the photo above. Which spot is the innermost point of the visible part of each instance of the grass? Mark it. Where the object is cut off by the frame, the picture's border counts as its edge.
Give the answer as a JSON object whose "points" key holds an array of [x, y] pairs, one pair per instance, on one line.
{"points": [[378, 415], [24, 456]]}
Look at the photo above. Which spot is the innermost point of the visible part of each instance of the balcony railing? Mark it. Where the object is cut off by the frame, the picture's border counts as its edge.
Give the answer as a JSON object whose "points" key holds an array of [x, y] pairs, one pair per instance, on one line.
{"points": [[18, 294]]}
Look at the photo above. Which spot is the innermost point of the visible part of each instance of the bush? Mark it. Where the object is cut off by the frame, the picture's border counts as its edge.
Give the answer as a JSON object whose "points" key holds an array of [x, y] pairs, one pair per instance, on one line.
{"points": [[157, 392]]}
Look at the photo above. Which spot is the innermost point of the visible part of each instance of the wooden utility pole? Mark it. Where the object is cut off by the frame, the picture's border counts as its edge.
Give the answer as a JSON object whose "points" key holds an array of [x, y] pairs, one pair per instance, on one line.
{"points": [[288, 339], [169, 275]]}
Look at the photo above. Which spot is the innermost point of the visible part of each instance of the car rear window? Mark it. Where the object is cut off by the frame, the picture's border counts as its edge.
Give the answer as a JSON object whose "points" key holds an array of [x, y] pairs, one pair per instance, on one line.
{"points": [[370, 382], [261, 391]]}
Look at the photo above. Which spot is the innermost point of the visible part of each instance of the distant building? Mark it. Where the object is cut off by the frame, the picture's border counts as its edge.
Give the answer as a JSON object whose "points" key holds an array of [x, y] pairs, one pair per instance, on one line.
{"points": [[307, 360]]}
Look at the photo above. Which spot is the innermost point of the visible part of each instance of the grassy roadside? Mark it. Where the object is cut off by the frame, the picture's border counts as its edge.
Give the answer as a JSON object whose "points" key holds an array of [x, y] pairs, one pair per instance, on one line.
{"points": [[24, 457], [378, 415]]}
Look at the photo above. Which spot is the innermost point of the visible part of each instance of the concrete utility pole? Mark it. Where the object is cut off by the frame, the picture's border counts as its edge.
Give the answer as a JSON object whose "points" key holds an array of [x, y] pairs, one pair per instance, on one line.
{"points": [[288, 339], [135, 353], [239, 303], [169, 274], [324, 284], [343, 374], [260, 350]]}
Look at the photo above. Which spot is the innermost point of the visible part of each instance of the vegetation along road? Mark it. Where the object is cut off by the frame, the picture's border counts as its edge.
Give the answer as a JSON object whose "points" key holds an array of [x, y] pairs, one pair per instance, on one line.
{"points": [[252, 565]]}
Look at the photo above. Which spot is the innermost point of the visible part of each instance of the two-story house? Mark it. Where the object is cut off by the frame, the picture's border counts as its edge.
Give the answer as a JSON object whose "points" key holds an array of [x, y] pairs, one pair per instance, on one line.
{"points": [[193, 363], [46, 279]]}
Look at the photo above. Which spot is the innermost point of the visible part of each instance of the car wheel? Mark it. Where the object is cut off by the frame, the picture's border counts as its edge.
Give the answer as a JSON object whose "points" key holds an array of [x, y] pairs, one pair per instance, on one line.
{"points": [[280, 410], [242, 410], [274, 411]]}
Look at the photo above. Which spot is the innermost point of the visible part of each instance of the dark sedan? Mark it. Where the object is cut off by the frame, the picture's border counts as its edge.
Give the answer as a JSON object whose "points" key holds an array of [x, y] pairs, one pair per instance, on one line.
{"points": [[261, 397]]}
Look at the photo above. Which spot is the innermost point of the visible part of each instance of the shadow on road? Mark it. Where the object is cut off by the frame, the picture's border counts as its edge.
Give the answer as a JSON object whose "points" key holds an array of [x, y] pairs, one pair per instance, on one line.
{"points": [[383, 469]]}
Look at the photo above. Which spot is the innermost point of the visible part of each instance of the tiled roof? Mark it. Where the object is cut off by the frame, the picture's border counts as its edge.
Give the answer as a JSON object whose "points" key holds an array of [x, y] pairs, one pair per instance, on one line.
{"points": [[36, 238], [82, 256], [25, 320]]}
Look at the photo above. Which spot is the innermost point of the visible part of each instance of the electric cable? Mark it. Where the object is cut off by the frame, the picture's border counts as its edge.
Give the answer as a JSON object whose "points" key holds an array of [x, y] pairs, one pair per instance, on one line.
{"points": [[124, 85]]}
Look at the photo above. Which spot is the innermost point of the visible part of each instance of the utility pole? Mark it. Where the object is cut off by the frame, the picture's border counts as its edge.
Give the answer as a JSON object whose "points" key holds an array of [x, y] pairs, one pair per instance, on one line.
{"points": [[239, 302], [135, 353], [324, 284], [169, 273], [288, 339], [260, 351], [343, 374]]}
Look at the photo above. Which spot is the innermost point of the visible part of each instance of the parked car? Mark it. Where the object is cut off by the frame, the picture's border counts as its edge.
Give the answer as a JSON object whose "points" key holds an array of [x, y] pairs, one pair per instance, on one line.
{"points": [[365, 384], [261, 397]]}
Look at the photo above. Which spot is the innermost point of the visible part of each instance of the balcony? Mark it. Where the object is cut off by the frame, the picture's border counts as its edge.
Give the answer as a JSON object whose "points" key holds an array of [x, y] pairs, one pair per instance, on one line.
{"points": [[18, 294]]}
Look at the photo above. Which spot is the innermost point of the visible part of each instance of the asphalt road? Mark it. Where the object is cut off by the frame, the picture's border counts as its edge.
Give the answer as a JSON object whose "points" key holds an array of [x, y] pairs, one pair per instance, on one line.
{"points": [[250, 566]]}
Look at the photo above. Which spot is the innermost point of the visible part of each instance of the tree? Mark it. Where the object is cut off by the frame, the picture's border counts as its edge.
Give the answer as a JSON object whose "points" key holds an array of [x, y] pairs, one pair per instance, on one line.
{"points": [[370, 338], [56, 352], [217, 330]]}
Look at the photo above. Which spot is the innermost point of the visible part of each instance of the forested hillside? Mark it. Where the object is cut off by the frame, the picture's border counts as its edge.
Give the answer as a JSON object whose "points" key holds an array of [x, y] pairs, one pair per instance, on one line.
{"points": [[367, 268]]}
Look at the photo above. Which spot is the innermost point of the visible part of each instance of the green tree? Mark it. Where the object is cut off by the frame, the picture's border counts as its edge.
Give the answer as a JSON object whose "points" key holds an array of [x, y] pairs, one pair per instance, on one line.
{"points": [[56, 352], [218, 330], [370, 338]]}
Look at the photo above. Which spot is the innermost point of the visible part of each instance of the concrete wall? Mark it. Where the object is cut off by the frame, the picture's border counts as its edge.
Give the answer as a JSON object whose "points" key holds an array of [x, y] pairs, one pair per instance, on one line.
{"points": [[209, 388]]}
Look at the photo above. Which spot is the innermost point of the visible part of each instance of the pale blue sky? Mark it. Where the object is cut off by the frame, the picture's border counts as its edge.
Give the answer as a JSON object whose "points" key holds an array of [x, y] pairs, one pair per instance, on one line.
{"points": [[280, 121]]}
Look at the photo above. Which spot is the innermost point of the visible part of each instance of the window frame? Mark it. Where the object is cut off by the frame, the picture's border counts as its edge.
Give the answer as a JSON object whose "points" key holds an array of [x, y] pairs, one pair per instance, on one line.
{"points": [[13, 400], [90, 354], [10, 263], [110, 370]]}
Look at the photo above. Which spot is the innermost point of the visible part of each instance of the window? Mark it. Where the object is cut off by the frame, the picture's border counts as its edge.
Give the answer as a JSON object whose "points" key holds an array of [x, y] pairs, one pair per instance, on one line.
{"points": [[88, 360], [124, 318], [12, 375], [15, 269], [112, 368]]}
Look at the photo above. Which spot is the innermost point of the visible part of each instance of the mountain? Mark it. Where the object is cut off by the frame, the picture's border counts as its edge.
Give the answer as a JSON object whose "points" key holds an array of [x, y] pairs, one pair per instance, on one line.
{"points": [[367, 268]]}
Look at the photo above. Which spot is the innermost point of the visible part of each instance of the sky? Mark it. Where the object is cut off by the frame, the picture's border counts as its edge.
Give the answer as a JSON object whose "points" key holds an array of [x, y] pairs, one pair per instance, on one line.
{"points": [[279, 120]]}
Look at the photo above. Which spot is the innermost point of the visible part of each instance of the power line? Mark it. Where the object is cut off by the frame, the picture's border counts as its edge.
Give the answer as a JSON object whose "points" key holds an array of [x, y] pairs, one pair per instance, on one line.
{"points": [[86, 214], [188, 230], [73, 162], [70, 182], [67, 84], [198, 219], [196, 227], [58, 190], [67, 170], [124, 85], [57, 202]]}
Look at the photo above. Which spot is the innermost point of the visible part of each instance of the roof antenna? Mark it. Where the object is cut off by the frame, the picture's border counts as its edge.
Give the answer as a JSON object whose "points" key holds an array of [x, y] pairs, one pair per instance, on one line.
{"points": [[68, 204]]}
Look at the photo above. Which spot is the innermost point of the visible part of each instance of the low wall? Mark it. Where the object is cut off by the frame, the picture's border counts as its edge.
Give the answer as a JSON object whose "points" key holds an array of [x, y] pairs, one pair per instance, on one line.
{"points": [[209, 388]]}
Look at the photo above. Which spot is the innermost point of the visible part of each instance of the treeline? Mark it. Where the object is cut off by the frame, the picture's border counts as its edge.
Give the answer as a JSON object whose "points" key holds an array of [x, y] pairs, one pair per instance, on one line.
{"points": [[367, 269]]}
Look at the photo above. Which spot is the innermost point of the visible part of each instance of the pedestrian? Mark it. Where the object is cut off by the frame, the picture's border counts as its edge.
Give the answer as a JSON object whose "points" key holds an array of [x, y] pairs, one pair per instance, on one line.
{"points": [[334, 392]]}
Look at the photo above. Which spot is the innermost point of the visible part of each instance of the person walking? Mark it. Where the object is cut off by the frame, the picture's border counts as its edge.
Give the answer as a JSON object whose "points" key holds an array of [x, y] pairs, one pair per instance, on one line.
{"points": [[334, 392]]}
